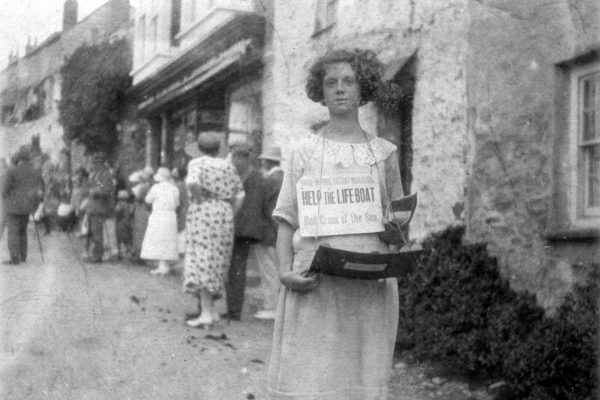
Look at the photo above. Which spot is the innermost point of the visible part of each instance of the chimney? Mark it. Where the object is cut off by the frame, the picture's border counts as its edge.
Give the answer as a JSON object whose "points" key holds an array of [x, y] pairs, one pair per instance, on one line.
{"points": [[69, 14]]}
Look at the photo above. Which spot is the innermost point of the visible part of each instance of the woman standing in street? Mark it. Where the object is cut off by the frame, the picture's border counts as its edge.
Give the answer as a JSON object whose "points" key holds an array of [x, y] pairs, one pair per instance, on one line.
{"points": [[334, 337], [212, 185], [160, 240], [142, 181]]}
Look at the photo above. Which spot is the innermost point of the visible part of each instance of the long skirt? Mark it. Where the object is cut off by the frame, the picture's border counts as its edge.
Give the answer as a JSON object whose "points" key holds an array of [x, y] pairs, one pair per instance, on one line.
{"points": [[209, 243], [160, 240], [336, 342]]}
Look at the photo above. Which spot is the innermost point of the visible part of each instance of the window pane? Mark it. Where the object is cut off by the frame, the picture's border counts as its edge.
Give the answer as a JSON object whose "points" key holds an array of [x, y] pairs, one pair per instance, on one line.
{"points": [[319, 22], [331, 12], [589, 127], [154, 33], [589, 92], [593, 178]]}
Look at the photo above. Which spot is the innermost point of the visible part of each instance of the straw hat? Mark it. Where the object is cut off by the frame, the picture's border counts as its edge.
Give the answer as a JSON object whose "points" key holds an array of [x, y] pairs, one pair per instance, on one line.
{"points": [[148, 170], [123, 195], [135, 177], [272, 154], [208, 140], [162, 175]]}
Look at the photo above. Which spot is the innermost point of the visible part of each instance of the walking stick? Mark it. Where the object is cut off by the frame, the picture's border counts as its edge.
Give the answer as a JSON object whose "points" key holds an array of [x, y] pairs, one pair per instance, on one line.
{"points": [[37, 235]]}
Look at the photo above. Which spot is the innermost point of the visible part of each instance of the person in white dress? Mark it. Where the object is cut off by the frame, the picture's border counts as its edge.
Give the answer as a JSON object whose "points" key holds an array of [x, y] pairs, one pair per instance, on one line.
{"points": [[334, 337], [160, 239]]}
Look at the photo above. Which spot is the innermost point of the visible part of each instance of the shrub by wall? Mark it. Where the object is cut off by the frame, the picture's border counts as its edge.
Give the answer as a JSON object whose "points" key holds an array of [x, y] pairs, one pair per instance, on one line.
{"points": [[456, 308]]}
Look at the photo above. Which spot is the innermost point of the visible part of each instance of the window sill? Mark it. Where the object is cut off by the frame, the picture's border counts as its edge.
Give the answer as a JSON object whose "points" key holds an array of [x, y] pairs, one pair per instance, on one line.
{"points": [[572, 235], [322, 31]]}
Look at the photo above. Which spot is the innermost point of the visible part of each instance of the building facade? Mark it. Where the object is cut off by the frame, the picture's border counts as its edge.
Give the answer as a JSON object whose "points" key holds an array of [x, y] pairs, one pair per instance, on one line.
{"points": [[198, 65], [30, 85], [496, 121]]}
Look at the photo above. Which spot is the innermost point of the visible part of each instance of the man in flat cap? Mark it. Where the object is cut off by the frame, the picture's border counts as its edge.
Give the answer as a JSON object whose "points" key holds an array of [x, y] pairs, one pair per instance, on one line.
{"points": [[23, 191], [249, 226]]}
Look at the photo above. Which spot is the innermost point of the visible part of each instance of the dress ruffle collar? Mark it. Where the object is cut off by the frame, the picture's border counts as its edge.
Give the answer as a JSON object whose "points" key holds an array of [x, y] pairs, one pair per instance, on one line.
{"points": [[348, 154]]}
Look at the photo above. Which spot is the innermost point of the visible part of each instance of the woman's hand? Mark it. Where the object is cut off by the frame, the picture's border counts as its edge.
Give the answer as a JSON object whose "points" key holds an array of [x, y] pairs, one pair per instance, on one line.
{"points": [[195, 191], [299, 281]]}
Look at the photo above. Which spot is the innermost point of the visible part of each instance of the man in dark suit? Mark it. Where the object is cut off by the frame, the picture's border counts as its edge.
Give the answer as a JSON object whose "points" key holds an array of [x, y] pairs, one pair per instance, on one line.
{"points": [[100, 206], [22, 194], [264, 252], [249, 227]]}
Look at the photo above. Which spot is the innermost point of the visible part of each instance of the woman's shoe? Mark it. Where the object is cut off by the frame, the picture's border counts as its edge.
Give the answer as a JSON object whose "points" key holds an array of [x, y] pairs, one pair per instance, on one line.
{"points": [[265, 314], [201, 321], [160, 271]]}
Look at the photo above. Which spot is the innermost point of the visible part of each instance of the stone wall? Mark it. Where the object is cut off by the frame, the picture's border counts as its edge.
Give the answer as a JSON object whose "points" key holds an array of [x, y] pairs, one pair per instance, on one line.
{"points": [[437, 30], [47, 128], [512, 79]]}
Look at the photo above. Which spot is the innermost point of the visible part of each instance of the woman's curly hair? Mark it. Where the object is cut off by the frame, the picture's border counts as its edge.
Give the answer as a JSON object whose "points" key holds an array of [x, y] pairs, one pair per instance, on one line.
{"points": [[365, 64]]}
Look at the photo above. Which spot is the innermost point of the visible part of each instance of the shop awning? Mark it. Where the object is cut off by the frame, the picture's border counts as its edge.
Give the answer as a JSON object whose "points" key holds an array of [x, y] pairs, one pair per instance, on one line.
{"points": [[230, 49]]}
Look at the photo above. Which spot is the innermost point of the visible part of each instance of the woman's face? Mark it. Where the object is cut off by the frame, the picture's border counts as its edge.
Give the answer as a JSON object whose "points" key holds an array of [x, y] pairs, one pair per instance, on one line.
{"points": [[341, 91]]}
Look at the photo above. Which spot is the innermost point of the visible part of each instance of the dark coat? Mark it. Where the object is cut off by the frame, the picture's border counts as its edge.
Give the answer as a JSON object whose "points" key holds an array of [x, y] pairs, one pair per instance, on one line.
{"points": [[24, 189], [101, 189], [273, 183], [250, 222], [183, 205]]}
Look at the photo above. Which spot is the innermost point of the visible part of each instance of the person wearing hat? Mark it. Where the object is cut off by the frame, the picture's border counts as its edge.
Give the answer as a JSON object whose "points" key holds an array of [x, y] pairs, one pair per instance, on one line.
{"points": [[22, 193], [212, 184], [264, 252], [250, 226], [160, 240], [100, 205]]}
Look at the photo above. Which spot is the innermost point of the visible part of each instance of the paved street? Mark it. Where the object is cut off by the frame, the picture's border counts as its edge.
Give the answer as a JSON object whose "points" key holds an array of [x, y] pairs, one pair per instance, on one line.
{"points": [[113, 331]]}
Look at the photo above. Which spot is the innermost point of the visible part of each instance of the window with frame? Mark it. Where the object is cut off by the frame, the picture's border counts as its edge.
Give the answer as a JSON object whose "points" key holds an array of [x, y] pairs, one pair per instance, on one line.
{"points": [[154, 33], [326, 14], [142, 36], [192, 11], [585, 127]]}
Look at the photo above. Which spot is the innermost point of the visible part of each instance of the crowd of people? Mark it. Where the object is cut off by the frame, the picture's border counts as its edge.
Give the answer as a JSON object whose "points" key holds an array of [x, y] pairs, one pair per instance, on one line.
{"points": [[207, 221]]}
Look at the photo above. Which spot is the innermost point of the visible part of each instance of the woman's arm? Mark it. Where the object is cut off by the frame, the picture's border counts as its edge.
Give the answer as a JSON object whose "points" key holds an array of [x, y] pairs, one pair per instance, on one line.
{"points": [[195, 191], [237, 200], [284, 247], [295, 280]]}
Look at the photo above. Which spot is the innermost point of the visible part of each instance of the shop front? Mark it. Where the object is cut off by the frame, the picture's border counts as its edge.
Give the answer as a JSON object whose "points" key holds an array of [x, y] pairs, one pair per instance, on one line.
{"points": [[215, 85]]}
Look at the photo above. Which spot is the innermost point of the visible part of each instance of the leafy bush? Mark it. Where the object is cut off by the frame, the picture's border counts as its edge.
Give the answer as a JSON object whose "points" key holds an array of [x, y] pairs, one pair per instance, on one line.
{"points": [[95, 80], [456, 308], [558, 359]]}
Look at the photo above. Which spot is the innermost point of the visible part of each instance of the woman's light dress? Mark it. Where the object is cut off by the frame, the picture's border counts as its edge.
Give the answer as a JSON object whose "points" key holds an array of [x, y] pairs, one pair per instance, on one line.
{"points": [[336, 342], [160, 239], [209, 224]]}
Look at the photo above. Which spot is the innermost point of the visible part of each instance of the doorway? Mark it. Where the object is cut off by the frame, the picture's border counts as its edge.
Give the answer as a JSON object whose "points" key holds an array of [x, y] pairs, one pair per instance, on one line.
{"points": [[394, 120]]}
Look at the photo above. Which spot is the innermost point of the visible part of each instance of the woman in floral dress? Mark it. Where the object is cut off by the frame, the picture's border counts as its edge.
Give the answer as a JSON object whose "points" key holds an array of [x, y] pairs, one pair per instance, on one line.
{"points": [[334, 337], [212, 184]]}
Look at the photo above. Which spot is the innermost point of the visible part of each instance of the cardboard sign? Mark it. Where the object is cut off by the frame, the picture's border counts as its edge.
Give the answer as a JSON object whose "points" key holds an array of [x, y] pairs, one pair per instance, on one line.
{"points": [[339, 205]]}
